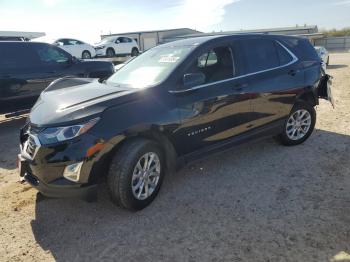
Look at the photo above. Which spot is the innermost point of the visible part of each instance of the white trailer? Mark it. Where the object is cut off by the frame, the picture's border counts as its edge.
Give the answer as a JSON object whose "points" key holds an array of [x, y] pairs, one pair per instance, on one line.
{"points": [[19, 36]]}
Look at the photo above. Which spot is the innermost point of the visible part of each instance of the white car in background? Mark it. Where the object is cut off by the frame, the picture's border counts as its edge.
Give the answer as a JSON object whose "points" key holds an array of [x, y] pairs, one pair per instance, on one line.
{"points": [[76, 48], [117, 45], [323, 54]]}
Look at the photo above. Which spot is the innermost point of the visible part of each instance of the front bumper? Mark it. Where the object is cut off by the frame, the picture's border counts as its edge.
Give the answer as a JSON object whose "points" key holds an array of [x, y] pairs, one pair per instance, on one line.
{"points": [[100, 52], [45, 167], [57, 190]]}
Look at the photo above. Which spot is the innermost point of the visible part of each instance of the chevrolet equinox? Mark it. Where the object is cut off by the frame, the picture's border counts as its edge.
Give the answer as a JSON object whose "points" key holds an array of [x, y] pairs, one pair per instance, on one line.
{"points": [[174, 103]]}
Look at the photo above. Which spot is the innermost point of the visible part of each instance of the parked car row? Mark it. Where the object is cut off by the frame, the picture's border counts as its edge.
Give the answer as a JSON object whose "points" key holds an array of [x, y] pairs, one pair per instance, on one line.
{"points": [[109, 47], [172, 104]]}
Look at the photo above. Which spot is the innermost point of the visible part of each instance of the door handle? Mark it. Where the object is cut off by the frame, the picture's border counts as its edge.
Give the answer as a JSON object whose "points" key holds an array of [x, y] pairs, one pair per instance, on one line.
{"points": [[292, 72]]}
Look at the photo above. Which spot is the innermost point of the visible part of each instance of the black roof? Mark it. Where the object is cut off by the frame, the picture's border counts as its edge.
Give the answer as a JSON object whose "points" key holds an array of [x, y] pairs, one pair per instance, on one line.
{"points": [[195, 41]]}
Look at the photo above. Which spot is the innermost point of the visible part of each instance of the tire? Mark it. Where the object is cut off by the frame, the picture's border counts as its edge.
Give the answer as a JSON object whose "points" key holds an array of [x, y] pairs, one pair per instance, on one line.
{"points": [[86, 55], [124, 167], [134, 52], [303, 127], [110, 52]]}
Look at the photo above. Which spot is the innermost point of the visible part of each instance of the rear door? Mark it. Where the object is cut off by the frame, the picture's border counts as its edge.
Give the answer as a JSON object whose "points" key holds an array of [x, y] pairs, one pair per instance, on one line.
{"points": [[274, 78], [216, 110]]}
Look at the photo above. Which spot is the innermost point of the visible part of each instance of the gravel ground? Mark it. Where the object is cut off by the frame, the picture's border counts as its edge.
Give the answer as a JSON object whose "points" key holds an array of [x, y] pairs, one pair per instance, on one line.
{"points": [[258, 202]]}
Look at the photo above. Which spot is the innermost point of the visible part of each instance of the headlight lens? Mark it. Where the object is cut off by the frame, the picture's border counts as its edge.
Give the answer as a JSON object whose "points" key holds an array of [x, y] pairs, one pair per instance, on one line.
{"points": [[57, 134], [99, 47]]}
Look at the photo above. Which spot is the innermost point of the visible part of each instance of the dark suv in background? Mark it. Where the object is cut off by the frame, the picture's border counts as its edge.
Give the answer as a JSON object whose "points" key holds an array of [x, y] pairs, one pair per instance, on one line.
{"points": [[27, 68], [172, 104]]}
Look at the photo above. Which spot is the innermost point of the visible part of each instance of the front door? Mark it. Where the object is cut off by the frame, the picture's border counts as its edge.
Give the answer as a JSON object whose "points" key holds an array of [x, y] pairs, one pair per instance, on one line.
{"points": [[219, 108]]}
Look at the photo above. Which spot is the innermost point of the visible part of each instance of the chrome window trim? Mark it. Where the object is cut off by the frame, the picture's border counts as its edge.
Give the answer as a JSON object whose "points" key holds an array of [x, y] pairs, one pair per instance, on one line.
{"points": [[294, 60]]}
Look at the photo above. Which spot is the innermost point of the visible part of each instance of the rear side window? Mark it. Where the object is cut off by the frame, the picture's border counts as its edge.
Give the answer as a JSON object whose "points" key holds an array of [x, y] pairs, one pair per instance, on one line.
{"points": [[14, 56], [259, 54]]}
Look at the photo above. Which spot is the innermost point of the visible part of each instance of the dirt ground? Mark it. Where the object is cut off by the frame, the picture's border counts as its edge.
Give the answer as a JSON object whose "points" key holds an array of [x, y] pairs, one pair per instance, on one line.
{"points": [[258, 202]]}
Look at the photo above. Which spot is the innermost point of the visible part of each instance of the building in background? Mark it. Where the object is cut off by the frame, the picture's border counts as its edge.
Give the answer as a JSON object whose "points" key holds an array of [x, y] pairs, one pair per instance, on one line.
{"points": [[19, 36], [149, 39], [310, 32]]}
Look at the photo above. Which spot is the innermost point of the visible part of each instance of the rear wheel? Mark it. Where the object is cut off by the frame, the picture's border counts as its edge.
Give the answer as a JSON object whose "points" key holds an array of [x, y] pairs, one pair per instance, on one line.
{"points": [[299, 125], [110, 52], [136, 173], [86, 55]]}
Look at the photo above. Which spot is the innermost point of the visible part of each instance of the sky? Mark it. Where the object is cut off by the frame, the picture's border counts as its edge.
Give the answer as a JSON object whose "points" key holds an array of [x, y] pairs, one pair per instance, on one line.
{"points": [[87, 20]]}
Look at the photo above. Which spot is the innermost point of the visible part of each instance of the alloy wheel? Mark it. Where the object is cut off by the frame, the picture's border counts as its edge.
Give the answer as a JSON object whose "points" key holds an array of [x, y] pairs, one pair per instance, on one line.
{"points": [[298, 124], [145, 176]]}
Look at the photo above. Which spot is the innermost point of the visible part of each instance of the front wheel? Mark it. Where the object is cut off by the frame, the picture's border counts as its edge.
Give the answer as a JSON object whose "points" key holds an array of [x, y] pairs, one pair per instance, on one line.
{"points": [[86, 55], [299, 125], [136, 173], [110, 52]]}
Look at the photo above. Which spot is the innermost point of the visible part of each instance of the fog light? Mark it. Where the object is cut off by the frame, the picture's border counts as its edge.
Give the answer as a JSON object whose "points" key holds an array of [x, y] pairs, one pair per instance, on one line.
{"points": [[72, 172]]}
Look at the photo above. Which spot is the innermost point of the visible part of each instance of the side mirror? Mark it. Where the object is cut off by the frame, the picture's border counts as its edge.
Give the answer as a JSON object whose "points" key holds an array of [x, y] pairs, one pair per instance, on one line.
{"points": [[117, 42], [72, 60], [193, 79]]}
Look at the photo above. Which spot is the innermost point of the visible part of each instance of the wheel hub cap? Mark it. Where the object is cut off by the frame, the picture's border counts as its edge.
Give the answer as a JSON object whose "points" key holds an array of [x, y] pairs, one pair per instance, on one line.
{"points": [[298, 124], [145, 177]]}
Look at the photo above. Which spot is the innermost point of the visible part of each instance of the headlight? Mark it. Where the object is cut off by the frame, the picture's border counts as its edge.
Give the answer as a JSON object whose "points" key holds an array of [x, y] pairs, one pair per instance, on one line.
{"points": [[57, 134]]}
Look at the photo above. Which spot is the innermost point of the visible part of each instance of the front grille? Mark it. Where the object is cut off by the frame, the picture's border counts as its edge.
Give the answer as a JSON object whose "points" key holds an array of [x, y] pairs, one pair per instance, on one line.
{"points": [[31, 146]]}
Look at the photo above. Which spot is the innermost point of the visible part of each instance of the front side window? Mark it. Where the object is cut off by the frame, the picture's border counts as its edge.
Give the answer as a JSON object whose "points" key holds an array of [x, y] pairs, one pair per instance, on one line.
{"points": [[216, 65], [150, 68], [72, 42], [51, 55], [259, 54]]}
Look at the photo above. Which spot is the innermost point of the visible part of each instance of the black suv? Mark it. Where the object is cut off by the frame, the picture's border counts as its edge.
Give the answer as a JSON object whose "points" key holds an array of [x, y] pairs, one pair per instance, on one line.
{"points": [[172, 104], [27, 68]]}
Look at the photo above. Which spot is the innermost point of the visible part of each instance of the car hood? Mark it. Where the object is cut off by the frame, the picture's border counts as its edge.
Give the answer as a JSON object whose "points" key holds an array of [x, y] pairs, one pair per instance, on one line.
{"points": [[72, 99]]}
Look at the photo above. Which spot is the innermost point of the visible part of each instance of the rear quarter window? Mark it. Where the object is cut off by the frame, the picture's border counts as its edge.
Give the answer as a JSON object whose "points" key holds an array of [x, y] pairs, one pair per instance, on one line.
{"points": [[302, 48], [283, 55]]}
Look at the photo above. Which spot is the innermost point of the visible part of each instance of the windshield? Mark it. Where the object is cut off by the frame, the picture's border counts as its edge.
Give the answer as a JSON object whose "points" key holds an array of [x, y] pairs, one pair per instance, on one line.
{"points": [[151, 67], [106, 40]]}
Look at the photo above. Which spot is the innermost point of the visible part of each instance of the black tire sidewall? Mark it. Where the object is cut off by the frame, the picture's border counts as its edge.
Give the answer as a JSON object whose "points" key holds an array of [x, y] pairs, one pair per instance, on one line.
{"points": [[126, 197], [284, 137], [134, 52], [110, 52], [85, 53]]}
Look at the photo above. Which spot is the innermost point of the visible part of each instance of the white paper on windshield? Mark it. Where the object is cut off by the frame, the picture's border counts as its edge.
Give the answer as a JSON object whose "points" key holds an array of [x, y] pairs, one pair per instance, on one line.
{"points": [[168, 59]]}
